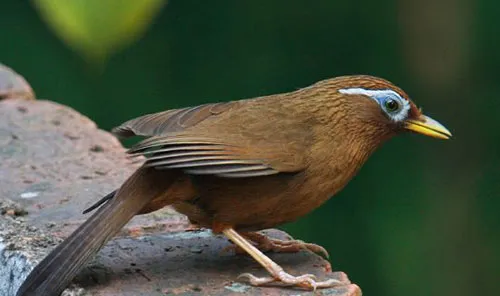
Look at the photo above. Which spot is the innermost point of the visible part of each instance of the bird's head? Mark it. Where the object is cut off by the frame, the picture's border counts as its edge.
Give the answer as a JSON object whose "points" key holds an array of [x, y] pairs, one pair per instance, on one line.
{"points": [[387, 105]]}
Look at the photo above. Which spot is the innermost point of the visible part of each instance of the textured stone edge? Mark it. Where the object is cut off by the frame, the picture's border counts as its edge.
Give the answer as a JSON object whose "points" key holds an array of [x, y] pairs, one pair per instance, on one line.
{"points": [[13, 85], [14, 268], [17, 248]]}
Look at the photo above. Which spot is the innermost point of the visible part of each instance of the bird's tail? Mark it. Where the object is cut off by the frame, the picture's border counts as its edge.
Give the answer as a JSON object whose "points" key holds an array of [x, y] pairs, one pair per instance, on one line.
{"points": [[51, 276]]}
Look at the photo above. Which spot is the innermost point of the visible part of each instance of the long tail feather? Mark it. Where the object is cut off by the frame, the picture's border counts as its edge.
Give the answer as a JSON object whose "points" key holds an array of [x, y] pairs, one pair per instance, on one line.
{"points": [[51, 276]]}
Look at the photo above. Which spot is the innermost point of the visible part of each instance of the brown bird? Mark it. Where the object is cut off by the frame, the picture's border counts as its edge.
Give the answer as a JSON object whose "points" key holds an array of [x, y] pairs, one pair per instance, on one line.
{"points": [[243, 166]]}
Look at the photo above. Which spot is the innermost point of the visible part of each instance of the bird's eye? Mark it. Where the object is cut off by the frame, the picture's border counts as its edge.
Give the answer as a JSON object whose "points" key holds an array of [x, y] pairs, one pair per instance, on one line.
{"points": [[392, 105]]}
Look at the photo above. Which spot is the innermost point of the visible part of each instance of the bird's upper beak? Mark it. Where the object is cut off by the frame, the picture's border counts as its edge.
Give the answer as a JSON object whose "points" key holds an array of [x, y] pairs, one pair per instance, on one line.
{"points": [[427, 126]]}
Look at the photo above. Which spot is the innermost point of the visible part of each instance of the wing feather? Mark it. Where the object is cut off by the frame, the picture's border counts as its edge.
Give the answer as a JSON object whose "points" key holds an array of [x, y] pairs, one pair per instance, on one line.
{"points": [[181, 147], [247, 174], [171, 120], [173, 143], [226, 169], [196, 161]]}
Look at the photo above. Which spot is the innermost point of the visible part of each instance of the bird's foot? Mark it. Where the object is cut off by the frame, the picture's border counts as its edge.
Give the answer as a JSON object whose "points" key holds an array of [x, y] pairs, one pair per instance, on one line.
{"points": [[267, 244], [278, 275], [307, 281]]}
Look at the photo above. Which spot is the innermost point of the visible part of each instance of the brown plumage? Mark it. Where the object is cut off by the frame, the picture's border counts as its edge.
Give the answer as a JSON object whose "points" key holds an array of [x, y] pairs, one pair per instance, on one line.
{"points": [[243, 166]]}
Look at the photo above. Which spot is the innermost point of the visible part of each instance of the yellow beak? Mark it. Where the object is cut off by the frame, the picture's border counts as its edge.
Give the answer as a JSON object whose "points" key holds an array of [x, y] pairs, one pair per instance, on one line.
{"points": [[427, 126]]}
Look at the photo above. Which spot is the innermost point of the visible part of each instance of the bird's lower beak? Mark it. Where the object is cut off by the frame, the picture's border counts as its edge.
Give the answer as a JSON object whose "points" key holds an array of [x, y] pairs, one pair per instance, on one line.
{"points": [[427, 126]]}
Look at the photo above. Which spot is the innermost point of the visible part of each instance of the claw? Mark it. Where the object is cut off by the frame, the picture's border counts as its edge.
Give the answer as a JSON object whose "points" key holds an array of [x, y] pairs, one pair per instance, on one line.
{"points": [[256, 281], [307, 281], [266, 243], [296, 245]]}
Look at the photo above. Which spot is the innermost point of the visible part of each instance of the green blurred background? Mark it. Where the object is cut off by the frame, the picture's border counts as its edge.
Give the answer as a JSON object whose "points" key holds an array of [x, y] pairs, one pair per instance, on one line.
{"points": [[421, 218]]}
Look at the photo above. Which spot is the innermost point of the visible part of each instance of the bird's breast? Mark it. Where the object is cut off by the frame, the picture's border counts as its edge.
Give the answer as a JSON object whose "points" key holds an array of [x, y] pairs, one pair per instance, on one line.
{"points": [[261, 202]]}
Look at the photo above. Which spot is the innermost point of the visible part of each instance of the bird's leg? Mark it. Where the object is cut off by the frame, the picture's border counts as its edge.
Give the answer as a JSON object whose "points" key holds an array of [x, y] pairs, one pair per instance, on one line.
{"points": [[277, 273], [266, 244]]}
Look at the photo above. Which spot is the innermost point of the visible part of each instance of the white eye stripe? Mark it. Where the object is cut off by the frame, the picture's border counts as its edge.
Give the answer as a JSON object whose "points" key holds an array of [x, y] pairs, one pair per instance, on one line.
{"points": [[380, 96], [368, 92]]}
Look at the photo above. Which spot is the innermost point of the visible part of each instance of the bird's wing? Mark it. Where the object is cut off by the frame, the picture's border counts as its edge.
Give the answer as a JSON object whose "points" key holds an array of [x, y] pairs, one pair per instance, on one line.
{"points": [[170, 121], [224, 139]]}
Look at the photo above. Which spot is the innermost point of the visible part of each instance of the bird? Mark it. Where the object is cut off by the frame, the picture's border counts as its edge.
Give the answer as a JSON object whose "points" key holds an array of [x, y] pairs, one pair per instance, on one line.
{"points": [[242, 166]]}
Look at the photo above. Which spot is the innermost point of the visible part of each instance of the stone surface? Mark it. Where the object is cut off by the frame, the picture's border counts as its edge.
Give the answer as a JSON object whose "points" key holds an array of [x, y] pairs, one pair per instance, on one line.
{"points": [[55, 162], [13, 85]]}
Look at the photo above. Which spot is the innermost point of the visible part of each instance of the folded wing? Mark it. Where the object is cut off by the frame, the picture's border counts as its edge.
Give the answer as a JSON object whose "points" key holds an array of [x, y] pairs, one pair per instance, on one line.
{"points": [[206, 140]]}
